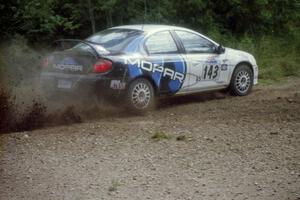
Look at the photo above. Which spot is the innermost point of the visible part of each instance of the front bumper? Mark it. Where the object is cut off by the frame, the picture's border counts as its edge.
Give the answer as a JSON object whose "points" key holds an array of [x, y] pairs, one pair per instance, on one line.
{"points": [[255, 75]]}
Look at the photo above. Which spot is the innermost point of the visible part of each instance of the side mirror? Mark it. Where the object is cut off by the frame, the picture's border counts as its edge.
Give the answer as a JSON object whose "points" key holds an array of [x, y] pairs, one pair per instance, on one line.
{"points": [[220, 49]]}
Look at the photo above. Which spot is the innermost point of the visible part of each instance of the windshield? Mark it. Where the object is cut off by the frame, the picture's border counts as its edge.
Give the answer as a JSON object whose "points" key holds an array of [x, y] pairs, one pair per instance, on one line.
{"points": [[114, 40]]}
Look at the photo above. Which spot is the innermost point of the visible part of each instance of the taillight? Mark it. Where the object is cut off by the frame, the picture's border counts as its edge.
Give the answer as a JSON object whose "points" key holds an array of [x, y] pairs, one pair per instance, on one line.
{"points": [[102, 66]]}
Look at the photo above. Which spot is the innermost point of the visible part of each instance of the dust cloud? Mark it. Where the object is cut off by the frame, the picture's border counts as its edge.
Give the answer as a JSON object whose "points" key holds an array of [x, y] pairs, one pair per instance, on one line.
{"points": [[23, 105]]}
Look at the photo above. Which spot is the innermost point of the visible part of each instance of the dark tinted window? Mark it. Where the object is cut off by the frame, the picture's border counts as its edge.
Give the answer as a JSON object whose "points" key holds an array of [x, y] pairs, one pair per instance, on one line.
{"points": [[194, 43], [113, 40], [161, 43]]}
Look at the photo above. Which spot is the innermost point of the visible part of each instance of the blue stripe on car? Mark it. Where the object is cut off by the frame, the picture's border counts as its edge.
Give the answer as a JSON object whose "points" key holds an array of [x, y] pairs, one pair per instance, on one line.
{"points": [[156, 76], [175, 85], [134, 71]]}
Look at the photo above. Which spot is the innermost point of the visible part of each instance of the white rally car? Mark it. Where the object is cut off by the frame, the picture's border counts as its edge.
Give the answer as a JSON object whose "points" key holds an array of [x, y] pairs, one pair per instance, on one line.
{"points": [[141, 62]]}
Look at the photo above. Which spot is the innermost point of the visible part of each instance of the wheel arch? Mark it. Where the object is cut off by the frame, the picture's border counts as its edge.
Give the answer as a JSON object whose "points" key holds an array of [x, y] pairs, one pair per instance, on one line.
{"points": [[231, 86], [148, 78], [244, 63], [236, 66]]}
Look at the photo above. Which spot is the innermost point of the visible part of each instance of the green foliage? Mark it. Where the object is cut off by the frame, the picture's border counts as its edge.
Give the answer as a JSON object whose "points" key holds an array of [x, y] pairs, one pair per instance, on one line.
{"points": [[276, 56], [55, 18], [114, 185], [160, 136], [267, 28], [45, 18], [34, 18]]}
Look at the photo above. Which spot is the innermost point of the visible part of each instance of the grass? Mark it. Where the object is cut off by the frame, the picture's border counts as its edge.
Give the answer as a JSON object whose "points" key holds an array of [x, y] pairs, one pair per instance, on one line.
{"points": [[114, 185], [266, 81], [273, 60], [276, 56], [159, 135]]}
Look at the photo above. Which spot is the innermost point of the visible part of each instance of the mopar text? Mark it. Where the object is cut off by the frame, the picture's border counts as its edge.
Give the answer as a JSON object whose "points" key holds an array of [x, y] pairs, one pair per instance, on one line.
{"points": [[152, 67], [69, 67]]}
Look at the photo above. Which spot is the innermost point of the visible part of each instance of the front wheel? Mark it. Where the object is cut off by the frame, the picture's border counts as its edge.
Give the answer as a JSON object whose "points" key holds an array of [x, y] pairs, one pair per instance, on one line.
{"points": [[241, 81], [140, 96]]}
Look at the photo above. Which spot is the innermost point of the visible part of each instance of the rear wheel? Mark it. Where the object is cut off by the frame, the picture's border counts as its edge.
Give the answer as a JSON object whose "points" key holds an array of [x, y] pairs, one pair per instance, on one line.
{"points": [[241, 81], [140, 96]]}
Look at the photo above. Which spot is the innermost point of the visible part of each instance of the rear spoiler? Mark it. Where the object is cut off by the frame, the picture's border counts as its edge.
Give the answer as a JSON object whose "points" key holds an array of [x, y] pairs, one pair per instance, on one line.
{"points": [[56, 42]]}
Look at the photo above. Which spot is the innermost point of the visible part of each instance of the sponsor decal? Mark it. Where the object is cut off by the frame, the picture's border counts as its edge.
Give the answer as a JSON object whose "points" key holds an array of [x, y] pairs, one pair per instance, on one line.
{"points": [[117, 84], [211, 60], [224, 67], [155, 68], [67, 66]]}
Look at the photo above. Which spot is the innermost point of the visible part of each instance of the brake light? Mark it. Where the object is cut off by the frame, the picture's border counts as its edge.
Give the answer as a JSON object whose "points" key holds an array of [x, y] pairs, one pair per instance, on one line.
{"points": [[102, 66]]}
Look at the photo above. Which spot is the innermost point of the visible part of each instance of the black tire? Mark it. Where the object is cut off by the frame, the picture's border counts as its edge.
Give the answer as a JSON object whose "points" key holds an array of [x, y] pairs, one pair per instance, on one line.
{"points": [[140, 96], [241, 80]]}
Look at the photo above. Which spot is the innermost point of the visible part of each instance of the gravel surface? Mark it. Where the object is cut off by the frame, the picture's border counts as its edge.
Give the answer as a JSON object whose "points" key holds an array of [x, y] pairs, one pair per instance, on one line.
{"points": [[211, 146]]}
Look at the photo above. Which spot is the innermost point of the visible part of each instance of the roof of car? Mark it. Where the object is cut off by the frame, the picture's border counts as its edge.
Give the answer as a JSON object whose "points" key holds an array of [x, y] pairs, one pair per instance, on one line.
{"points": [[148, 27]]}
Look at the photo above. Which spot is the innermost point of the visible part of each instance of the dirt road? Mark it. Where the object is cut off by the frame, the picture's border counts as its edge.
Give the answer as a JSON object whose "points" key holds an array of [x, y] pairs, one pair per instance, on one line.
{"points": [[217, 147]]}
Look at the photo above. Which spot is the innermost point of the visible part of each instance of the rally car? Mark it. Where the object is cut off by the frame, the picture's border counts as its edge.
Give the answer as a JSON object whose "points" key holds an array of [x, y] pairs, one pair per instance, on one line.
{"points": [[138, 63]]}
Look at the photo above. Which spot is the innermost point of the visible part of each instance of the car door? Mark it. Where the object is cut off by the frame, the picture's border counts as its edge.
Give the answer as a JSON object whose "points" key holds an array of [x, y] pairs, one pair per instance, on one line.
{"points": [[207, 69], [165, 63]]}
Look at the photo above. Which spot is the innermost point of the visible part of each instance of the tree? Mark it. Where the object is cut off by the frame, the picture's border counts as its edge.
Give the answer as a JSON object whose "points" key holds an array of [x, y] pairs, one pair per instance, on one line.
{"points": [[49, 19]]}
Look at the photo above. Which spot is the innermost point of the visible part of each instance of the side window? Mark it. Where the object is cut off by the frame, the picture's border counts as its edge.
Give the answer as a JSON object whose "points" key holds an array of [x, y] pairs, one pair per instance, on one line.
{"points": [[194, 43], [161, 43]]}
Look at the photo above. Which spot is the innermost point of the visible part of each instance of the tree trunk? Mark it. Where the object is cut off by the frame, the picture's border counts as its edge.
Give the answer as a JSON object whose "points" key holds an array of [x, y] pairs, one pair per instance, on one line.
{"points": [[109, 21], [92, 17]]}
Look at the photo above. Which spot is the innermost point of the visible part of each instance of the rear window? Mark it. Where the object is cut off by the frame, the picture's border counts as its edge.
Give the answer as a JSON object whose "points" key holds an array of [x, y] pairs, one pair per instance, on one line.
{"points": [[114, 40]]}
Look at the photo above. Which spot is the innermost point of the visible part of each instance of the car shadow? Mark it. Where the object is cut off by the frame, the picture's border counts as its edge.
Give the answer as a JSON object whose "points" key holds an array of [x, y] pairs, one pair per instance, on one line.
{"points": [[165, 103]]}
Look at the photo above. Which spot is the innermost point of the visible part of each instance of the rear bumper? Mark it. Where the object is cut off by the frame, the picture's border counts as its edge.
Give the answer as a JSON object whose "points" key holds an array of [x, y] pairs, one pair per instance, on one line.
{"points": [[82, 85]]}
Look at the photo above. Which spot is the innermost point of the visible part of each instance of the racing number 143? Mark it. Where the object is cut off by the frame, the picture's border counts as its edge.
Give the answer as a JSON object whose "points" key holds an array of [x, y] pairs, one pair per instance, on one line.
{"points": [[210, 72]]}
